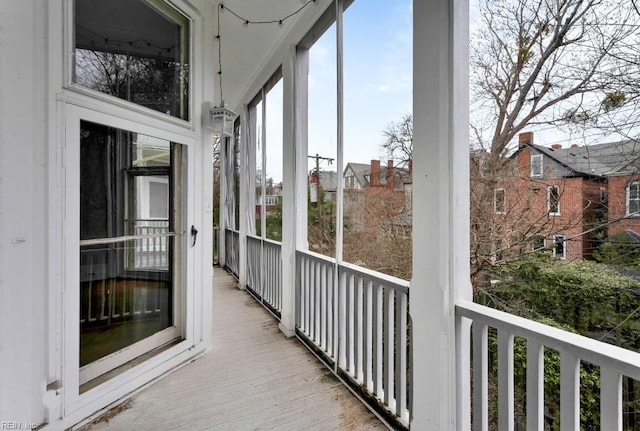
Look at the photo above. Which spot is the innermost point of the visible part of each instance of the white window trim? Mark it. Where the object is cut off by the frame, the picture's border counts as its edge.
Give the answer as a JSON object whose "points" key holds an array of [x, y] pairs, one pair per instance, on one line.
{"points": [[628, 196], [564, 246], [536, 157], [76, 93], [554, 213]]}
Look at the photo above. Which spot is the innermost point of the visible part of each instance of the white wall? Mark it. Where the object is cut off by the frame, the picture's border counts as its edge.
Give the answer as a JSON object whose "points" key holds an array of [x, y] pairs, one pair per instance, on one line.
{"points": [[32, 107], [23, 246]]}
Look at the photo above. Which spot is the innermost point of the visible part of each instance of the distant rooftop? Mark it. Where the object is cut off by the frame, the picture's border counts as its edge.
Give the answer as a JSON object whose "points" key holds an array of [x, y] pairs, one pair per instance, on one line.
{"points": [[622, 157]]}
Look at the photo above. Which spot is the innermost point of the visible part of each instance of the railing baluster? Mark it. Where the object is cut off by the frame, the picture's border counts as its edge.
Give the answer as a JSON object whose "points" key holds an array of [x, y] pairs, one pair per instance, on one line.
{"points": [[368, 336], [401, 353], [328, 313], [480, 377], [569, 392], [316, 304], [610, 399], [505, 380], [358, 328], [535, 386], [389, 342], [309, 289], [348, 322], [378, 339]]}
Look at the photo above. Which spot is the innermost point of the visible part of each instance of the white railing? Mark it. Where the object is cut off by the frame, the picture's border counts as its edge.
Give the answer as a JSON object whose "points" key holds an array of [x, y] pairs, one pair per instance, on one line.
{"points": [[614, 363], [111, 296], [150, 252], [232, 251], [357, 320], [264, 271]]}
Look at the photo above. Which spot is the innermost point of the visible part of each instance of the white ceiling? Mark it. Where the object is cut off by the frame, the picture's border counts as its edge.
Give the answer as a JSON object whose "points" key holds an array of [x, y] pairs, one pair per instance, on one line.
{"points": [[245, 50]]}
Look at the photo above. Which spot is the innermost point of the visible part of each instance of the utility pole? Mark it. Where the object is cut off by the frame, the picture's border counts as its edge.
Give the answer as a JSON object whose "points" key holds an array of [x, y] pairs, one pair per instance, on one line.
{"points": [[317, 158]]}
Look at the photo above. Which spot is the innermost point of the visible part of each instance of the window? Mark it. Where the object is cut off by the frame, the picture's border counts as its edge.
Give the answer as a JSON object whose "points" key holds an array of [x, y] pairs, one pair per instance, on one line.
{"points": [[559, 247], [538, 243], [136, 50], [633, 199], [349, 182], [603, 195], [553, 200], [536, 166], [499, 199]]}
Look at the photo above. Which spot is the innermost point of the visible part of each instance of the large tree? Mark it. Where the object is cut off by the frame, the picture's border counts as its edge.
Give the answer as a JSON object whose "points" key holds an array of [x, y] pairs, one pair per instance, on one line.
{"points": [[536, 64], [546, 62]]}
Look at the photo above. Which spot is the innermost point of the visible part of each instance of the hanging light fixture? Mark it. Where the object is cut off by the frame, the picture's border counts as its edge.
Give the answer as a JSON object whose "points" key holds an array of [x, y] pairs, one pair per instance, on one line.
{"points": [[222, 120]]}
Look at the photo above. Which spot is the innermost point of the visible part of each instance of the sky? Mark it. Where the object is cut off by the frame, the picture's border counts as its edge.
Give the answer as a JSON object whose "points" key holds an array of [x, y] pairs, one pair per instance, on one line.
{"points": [[377, 85]]}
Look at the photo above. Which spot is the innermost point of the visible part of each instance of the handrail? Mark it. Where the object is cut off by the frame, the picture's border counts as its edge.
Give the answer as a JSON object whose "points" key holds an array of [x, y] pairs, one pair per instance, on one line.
{"points": [[614, 362], [588, 349]]}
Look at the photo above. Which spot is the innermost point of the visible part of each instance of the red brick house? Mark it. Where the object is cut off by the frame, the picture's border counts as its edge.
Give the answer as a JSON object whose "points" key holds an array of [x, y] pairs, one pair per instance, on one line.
{"points": [[562, 198]]}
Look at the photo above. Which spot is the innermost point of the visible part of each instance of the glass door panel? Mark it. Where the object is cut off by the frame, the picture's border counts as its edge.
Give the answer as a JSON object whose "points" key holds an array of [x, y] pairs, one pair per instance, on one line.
{"points": [[129, 210]]}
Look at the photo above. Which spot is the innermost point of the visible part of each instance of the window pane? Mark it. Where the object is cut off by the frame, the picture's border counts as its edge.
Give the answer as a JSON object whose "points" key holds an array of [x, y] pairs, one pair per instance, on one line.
{"points": [[134, 51], [554, 199], [126, 284], [377, 122], [536, 165]]}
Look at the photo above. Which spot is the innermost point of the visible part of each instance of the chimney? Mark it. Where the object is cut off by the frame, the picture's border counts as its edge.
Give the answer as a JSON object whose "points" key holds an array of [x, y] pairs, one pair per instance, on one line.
{"points": [[410, 166], [375, 173], [390, 173], [574, 145], [525, 138], [556, 146]]}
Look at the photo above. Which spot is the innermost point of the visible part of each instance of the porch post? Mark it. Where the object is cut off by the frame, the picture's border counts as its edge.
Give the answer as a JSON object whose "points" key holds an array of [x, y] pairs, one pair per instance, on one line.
{"points": [[295, 72], [440, 212], [222, 214], [245, 205]]}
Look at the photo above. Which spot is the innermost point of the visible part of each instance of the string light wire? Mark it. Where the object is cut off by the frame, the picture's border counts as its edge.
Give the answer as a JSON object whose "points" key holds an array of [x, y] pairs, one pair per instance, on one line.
{"points": [[245, 23]]}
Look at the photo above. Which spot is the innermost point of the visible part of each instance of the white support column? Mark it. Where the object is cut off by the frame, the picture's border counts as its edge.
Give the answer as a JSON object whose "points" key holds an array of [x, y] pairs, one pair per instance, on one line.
{"points": [[289, 196], [245, 205], [301, 130], [223, 222], [440, 211]]}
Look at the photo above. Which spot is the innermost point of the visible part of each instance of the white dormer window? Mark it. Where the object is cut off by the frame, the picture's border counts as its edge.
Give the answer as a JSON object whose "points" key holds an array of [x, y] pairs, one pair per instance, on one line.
{"points": [[536, 165]]}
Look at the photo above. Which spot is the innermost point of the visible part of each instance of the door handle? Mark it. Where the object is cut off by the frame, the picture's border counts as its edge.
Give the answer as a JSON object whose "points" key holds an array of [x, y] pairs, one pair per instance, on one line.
{"points": [[194, 234]]}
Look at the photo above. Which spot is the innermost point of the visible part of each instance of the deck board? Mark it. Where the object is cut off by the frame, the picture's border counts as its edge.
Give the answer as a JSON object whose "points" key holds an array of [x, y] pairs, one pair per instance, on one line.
{"points": [[253, 379]]}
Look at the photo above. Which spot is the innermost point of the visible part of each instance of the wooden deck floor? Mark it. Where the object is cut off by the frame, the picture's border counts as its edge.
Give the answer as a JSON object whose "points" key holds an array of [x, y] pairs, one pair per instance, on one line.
{"points": [[253, 379]]}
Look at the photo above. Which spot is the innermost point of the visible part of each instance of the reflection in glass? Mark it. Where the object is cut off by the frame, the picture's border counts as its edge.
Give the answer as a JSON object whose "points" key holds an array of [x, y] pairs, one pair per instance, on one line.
{"points": [[127, 238], [119, 306], [135, 50]]}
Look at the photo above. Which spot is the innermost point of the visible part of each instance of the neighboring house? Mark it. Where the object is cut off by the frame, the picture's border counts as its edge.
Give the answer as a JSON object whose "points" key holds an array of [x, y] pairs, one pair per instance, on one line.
{"points": [[564, 198], [375, 199]]}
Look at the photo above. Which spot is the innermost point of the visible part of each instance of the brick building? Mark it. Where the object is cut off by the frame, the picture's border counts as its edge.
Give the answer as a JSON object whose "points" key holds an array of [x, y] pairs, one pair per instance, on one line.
{"points": [[566, 199]]}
